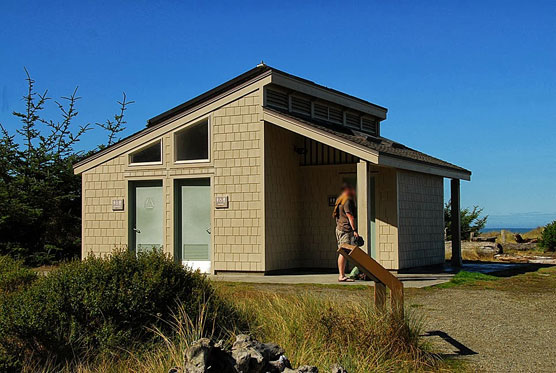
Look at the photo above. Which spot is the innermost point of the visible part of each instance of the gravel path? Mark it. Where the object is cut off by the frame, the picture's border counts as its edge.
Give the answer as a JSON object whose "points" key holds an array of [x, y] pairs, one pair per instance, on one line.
{"points": [[507, 325], [500, 331]]}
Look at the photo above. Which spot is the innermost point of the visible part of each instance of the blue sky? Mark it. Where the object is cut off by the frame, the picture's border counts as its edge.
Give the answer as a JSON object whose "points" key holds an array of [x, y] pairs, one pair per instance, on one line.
{"points": [[473, 83]]}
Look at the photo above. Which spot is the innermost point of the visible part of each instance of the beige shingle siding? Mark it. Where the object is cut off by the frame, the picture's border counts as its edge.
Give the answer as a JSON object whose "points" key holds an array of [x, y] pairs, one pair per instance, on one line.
{"points": [[386, 218], [238, 230], [236, 168], [421, 233], [103, 229], [283, 195]]}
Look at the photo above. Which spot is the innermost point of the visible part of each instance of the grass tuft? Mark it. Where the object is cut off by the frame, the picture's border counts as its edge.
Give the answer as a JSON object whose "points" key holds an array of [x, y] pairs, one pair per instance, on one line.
{"points": [[320, 331], [466, 278]]}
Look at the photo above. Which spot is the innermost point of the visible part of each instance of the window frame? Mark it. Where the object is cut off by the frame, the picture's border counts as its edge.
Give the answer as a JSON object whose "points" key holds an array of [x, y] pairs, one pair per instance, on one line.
{"points": [[155, 163], [209, 136]]}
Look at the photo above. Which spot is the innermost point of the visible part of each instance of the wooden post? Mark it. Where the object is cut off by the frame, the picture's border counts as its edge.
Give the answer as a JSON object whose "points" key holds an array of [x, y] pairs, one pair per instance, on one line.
{"points": [[363, 203], [456, 223], [381, 276], [380, 296], [396, 299]]}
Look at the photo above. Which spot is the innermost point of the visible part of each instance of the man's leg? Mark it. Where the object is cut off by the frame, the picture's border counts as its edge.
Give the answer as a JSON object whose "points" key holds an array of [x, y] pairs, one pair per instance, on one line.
{"points": [[341, 267]]}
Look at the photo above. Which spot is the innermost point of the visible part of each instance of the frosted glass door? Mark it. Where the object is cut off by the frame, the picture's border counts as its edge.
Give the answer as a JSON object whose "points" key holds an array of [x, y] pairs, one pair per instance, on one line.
{"points": [[195, 224], [148, 218]]}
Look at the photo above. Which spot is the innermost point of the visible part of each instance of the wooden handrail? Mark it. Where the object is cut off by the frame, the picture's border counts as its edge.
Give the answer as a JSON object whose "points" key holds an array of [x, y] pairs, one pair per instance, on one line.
{"points": [[381, 276]]}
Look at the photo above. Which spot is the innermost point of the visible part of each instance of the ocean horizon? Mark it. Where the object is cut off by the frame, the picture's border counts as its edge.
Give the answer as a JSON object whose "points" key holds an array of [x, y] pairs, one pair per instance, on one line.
{"points": [[514, 230]]}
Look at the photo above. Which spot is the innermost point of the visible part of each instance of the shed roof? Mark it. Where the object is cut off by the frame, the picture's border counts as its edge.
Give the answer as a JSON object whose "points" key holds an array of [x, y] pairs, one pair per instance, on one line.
{"points": [[248, 75], [381, 145], [255, 73]]}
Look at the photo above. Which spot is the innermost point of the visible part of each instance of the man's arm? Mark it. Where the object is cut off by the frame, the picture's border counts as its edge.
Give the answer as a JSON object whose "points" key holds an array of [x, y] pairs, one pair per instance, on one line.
{"points": [[348, 208], [352, 223]]}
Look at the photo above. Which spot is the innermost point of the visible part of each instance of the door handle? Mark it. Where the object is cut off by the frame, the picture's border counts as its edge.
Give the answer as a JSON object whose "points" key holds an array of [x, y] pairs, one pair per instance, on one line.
{"points": [[136, 230], [208, 230]]}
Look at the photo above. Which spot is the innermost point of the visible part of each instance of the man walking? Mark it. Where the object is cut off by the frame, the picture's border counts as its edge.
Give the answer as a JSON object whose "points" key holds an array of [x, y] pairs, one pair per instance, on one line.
{"points": [[345, 214]]}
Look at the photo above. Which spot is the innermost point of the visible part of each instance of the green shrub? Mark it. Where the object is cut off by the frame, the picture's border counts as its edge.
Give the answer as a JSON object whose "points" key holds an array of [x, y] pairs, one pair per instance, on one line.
{"points": [[102, 305], [548, 237], [13, 275]]}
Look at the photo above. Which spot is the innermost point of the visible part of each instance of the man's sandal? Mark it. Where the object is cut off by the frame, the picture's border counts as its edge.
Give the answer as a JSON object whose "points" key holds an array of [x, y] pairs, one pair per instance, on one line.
{"points": [[346, 279]]}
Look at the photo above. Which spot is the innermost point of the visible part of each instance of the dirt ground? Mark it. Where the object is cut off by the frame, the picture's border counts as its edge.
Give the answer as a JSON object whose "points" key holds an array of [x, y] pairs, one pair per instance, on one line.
{"points": [[493, 330], [506, 325]]}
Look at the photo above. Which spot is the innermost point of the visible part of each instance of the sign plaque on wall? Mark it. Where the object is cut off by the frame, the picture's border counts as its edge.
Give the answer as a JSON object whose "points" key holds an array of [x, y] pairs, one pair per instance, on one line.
{"points": [[221, 202], [331, 200], [117, 205]]}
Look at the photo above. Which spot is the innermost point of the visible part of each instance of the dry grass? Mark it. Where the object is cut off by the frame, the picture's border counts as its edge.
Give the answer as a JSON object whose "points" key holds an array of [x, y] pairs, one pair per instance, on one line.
{"points": [[509, 236], [312, 329], [472, 251], [322, 331]]}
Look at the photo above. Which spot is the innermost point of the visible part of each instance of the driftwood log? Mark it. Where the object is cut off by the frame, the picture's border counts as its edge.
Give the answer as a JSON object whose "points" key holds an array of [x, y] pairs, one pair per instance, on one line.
{"points": [[484, 239], [520, 239]]}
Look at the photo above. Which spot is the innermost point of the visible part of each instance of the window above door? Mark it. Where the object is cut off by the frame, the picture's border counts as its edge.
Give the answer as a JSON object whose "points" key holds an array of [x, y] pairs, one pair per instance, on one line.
{"points": [[150, 154], [192, 143]]}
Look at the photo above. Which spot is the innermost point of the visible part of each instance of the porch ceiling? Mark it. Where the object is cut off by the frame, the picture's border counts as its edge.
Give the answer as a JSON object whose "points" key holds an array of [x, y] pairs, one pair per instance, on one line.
{"points": [[377, 150]]}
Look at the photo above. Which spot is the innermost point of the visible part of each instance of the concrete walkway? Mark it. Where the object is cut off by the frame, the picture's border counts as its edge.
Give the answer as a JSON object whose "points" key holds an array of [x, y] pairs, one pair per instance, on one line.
{"points": [[417, 280]]}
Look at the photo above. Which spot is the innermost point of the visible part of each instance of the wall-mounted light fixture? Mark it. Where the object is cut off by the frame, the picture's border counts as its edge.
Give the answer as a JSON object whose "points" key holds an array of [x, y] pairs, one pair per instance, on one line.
{"points": [[299, 151]]}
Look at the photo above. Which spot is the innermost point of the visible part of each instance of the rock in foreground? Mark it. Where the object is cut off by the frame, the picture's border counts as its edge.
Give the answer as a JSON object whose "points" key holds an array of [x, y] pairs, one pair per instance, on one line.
{"points": [[246, 356]]}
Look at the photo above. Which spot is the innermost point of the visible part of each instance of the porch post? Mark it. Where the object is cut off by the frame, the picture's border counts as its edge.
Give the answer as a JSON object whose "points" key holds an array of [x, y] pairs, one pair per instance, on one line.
{"points": [[363, 203], [456, 223]]}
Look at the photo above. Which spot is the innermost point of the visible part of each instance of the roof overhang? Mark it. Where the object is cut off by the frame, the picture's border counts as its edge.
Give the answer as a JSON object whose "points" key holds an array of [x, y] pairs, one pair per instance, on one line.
{"points": [[312, 89], [324, 137], [412, 165], [358, 150], [256, 79], [177, 117]]}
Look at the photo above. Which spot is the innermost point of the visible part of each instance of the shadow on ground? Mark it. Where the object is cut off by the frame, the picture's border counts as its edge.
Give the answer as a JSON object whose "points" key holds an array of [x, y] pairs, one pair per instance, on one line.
{"points": [[462, 350], [489, 268]]}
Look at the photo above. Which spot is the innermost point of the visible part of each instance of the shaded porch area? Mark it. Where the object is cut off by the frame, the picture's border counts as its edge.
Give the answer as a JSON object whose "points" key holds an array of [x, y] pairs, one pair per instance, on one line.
{"points": [[400, 202], [303, 177]]}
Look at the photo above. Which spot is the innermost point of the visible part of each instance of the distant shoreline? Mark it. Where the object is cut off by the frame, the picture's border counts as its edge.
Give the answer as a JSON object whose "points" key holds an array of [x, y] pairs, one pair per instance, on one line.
{"points": [[514, 230]]}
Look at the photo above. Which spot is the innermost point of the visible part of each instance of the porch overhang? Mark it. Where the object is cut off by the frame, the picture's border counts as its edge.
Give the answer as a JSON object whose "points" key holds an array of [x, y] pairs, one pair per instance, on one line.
{"points": [[296, 126], [390, 161], [360, 147]]}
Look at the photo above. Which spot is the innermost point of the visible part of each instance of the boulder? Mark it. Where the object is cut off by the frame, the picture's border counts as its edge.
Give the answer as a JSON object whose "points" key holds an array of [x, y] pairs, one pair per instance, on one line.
{"points": [[307, 369], [270, 351], [487, 250], [336, 368], [246, 356], [253, 356], [248, 360], [204, 357], [277, 366], [197, 356]]}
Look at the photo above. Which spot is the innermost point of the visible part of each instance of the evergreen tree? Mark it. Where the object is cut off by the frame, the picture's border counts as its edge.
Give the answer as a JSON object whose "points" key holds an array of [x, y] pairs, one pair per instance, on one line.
{"points": [[471, 221], [40, 212]]}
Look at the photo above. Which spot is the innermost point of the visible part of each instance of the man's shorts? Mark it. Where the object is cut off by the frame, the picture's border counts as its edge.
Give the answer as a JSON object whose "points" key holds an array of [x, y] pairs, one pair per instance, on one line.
{"points": [[344, 237]]}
